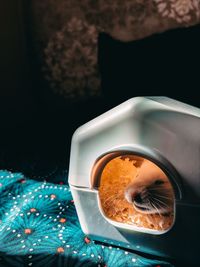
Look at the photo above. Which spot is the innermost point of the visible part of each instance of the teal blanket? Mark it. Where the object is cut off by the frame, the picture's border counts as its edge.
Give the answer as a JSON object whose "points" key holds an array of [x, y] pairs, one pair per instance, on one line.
{"points": [[39, 227]]}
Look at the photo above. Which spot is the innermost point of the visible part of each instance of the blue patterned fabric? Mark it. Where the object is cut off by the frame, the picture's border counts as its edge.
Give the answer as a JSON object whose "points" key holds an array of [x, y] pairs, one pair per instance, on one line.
{"points": [[39, 227]]}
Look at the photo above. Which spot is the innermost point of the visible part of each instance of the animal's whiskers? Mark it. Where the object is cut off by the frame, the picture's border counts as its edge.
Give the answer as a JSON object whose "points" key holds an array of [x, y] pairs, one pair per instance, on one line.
{"points": [[161, 198], [154, 206], [156, 200], [164, 196]]}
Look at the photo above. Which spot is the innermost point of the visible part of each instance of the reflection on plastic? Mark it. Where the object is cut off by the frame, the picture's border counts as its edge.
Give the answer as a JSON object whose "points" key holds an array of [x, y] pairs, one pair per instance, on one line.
{"points": [[135, 191]]}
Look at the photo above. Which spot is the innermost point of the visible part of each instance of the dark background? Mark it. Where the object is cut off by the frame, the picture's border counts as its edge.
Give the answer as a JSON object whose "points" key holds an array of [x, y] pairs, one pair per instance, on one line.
{"points": [[37, 125]]}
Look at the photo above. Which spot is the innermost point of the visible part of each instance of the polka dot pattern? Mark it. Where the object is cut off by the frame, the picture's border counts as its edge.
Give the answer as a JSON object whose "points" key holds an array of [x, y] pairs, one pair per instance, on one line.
{"points": [[39, 227]]}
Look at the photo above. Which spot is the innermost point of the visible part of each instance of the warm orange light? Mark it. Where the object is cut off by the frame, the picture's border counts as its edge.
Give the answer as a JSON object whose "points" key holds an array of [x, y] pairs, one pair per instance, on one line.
{"points": [[118, 174]]}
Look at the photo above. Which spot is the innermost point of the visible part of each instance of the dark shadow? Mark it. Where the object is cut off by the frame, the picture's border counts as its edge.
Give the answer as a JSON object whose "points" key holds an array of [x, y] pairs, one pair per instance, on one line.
{"points": [[41, 260]]}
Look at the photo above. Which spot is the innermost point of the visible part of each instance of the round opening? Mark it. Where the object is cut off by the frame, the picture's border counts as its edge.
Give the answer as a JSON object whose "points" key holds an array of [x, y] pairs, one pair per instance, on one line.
{"points": [[135, 191]]}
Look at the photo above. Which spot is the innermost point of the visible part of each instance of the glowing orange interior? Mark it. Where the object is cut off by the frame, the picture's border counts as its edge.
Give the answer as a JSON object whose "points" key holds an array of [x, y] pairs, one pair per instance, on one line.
{"points": [[116, 176]]}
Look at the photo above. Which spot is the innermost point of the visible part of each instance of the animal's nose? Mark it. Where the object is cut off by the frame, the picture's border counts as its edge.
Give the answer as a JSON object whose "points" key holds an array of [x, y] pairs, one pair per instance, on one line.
{"points": [[137, 198], [132, 194]]}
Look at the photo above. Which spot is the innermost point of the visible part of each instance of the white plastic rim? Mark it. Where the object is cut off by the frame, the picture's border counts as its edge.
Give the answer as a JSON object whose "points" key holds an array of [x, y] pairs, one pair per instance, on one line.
{"points": [[146, 153]]}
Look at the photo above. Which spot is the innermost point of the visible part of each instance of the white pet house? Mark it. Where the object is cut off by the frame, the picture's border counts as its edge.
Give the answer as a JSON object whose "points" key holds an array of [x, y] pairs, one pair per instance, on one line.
{"points": [[163, 130]]}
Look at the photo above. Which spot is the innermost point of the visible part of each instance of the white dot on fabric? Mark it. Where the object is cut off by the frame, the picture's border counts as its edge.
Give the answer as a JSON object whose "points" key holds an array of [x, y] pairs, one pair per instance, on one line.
{"points": [[8, 228], [40, 196], [30, 264], [30, 256], [46, 236], [68, 246], [46, 196], [21, 214], [13, 231], [18, 235], [37, 214], [137, 246], [64, 241], [102, 247], [92, 255], [34, 244], [61, 237], [110, 247], [133, 260], [39, 240], [75, 252], [83, 254], [23, 246], [99, 256], [28, 213], [31, 249], [44, 215], [55, 220], [22, 241]]}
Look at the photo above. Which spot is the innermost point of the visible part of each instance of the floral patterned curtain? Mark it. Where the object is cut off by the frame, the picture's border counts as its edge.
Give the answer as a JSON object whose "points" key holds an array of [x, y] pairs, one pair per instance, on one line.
{"points": [[66, 33]]}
